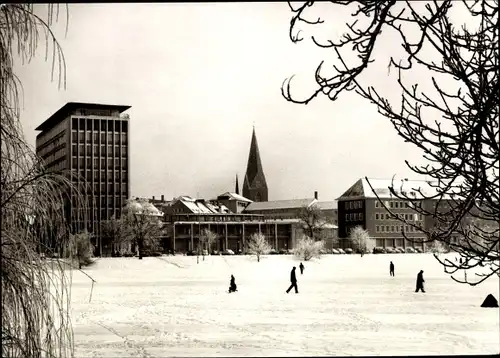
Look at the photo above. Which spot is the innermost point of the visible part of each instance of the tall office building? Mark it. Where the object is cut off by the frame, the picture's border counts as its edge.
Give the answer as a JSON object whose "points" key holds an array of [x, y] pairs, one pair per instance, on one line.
{"points": [[91, 140]]}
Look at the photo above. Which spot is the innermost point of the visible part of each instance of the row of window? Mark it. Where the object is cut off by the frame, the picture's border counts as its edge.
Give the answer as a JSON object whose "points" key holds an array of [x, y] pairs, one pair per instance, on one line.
{"points": [[57, 165], [100, 175], [394, 228], [89, 136], [56, 141], [354, 217], [408, 217], [117, 125], [351, 205], [82, 149], [113, 163], [396, 204]]}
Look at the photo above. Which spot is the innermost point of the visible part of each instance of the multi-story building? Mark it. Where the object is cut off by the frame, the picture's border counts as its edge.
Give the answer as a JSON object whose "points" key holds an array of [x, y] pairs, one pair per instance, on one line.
{"points": [[90, 140], [186, 217], [359, 206]]}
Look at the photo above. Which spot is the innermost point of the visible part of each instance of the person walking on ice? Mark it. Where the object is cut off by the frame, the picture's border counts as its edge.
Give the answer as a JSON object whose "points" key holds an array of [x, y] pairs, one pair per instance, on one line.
{"points": [[301, 267], [391, 269], [293, 280], [232, 285], [420, 281]]}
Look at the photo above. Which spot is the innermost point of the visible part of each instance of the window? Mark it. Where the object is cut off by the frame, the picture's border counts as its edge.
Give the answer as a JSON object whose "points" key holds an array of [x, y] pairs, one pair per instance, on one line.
{"points": [[382, 228], [96, 175], [420, 217], [124, 151], [387, 217], [96, 162], [74, 123], [124, 138], [392, 228], [110, 150], [391, 204], [377, 228], [103, 138], [89, 162], [81, 162], [74, 136], [406, 205], [346, 217], [96, 137], [74, 162], [81, 149], [360, 216], [110, 163], [89, 150], [376, 216], [355, 216], [387, 228], [124, 163], [103, 163], [81, 136], [396, 204], [376, 204], [110, 137]]}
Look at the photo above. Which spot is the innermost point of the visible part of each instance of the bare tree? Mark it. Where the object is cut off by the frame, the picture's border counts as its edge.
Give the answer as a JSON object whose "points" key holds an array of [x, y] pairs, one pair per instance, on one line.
{"points": [[313, 221], [206, 240], [142, 225], [454, 122], [361, 240], [307, 248], [258, 245], [113, 231], [35, 292]]}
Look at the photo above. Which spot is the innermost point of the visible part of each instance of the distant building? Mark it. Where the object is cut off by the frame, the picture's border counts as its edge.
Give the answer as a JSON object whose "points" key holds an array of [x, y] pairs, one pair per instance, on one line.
{"points": [[186, 217], [91, 140], [254, 185], [234, 202]]}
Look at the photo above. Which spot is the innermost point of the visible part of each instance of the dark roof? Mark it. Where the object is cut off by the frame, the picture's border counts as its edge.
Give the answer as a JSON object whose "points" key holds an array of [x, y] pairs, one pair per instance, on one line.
{"points": [[71, 106], [279, 204]]}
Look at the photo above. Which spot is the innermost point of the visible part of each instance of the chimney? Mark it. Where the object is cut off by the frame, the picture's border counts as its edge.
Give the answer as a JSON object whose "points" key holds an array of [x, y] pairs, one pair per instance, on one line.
{"points": [[153, 198], [316, 195], [162, 198]]}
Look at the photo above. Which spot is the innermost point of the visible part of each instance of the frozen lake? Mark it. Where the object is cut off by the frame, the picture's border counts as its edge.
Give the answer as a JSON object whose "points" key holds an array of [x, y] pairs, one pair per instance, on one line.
{"points": [[347, 305]]}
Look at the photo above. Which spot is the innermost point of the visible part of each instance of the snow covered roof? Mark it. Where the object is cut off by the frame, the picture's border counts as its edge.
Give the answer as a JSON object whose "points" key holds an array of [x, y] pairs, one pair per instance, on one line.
{"points": [[279, 204], [234, 196], [362, 189], [200, 206], [327, 205]]}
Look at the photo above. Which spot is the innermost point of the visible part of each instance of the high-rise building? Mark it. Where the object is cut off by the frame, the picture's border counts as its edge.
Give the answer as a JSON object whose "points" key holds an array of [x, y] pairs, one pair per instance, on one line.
{"points": [[90, 140], [254, 185]]}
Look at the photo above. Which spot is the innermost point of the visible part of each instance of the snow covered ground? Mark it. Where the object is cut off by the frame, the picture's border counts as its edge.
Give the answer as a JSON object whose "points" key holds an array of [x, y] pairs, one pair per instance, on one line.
{"points": [[347, 305]]}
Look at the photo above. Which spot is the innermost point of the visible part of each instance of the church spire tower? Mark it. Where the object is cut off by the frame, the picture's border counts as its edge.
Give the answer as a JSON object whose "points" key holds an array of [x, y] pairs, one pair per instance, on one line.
{"points": [[237, 188], [254, 185]]}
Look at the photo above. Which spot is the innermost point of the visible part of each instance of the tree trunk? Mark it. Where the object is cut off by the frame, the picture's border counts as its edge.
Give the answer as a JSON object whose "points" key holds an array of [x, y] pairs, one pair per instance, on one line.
{"points": [[139, 247], [258, 258]]}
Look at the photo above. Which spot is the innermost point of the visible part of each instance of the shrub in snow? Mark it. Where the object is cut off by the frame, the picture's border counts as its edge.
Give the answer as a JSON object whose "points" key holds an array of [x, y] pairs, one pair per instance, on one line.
{"points": [[410, 250], [307, 248], [335, 251], [361, 240], [378, 250], [342, 252], [389, 250], [258, 245], [419, 250], [81, 249]]}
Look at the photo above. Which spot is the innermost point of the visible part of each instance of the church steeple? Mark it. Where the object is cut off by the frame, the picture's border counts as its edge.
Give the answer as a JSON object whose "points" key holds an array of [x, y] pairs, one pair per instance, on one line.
{"points": [[254, 185], [237, 189]]}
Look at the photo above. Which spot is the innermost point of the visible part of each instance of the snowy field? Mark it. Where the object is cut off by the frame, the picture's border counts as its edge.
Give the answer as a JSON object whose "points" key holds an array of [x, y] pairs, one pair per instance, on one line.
{"points": [[347, 305]]}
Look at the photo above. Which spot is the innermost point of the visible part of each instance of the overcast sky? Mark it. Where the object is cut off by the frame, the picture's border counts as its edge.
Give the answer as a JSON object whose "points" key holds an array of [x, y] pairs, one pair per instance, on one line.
{"points": [[198, 77]]}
